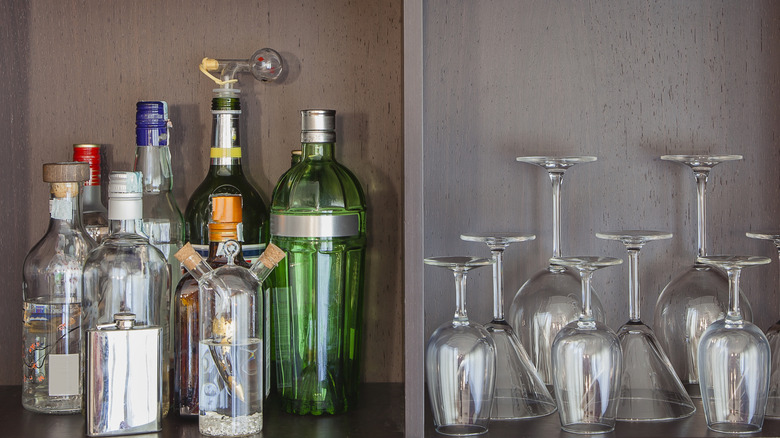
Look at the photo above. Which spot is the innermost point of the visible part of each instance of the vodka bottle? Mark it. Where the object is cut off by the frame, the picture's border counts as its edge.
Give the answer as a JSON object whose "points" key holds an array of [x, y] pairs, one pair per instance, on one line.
{"points": [[230, 378], [128, 274], [318, 217], [93, 211], [51, 286], [225, 176]]}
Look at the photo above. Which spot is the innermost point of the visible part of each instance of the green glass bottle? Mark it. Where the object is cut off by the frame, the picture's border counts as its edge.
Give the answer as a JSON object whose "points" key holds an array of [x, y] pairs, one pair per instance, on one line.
{"points": [[226, 176], [318, 217]]}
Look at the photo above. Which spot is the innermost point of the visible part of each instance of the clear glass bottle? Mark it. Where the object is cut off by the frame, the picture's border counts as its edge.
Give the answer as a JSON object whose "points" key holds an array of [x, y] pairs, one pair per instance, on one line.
{"points": [[126, 273], [51, 287], [318, 217], [230, 400], [224, 226], [225, 176], [94, 213]]}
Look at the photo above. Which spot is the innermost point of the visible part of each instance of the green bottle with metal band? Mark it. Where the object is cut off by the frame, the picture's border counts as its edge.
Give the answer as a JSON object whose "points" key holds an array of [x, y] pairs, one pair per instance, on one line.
{"points": [[318, 217]]}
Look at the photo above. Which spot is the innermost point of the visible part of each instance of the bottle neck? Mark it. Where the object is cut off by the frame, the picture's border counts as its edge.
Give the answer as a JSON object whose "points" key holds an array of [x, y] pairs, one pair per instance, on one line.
{"points": [[125, 215], [317, 151], [65, 205], [91, 201], [226, 144], [154, 162]]}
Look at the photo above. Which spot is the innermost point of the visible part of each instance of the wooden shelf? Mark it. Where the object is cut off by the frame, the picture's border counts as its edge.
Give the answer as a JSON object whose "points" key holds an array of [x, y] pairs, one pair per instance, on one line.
{"points": [[379, 415]]}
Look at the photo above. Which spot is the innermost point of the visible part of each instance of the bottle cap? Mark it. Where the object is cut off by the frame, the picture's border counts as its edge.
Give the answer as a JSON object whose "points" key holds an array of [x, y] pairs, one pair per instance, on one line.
{"points": [[318, 126], [89, 153], [226, 216], [151, 123], [126, 185], [65, 172]]}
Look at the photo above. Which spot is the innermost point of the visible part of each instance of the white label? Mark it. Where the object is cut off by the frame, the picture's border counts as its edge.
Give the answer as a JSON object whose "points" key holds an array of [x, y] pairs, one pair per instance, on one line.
{"points": [[63, 374], [61, 208]]}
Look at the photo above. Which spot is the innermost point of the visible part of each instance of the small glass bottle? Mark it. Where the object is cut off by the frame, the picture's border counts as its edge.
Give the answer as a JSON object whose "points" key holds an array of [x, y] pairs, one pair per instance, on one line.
{"points": [[224, 226], [126, 273], [51, 287], [93, 211], [230, 401], [295, 157], [225, 176], [318, 217]]}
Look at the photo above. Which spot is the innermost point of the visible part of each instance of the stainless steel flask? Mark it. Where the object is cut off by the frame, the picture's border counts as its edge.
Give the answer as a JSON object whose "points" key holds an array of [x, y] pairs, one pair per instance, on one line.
{"points": [[124, 378]]}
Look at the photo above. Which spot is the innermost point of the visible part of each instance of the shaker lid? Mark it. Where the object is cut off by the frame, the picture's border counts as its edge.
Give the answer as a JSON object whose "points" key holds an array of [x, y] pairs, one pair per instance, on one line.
{"points": [[65, 172]]}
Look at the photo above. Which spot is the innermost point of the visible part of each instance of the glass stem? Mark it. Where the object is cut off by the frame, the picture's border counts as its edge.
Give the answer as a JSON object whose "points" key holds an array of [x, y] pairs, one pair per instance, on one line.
{"points": [[498, 284], [587, 313], [734, 312], [701, 204], [557, 180], [634, 304], [460, 296]]}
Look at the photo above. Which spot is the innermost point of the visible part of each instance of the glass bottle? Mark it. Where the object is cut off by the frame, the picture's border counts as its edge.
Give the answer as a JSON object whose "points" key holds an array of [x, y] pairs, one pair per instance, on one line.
{"points": [[225, 220], [51, 287], [318, 217], [295, 157], [230, 399], [126, 273], [225, 176], [93, 211]]}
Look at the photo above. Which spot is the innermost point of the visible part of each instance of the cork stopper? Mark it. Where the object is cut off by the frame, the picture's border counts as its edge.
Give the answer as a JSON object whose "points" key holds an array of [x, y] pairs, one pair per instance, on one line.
{"points": [[271, 256], [188, 257], [65, 178], [226, 215]]}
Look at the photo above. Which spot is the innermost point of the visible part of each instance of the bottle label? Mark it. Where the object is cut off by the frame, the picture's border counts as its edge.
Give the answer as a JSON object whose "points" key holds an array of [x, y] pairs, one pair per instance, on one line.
{"points": [[64, 374], [61, 208], [225, 152], [315, 226]]}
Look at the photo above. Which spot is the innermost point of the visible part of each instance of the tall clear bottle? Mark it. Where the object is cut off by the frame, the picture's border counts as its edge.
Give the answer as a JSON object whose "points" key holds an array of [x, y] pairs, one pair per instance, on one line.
{"points": [[93, 211], [231, 340], [226, 218], [318, 217], [226, 176], [51, 287], [126, 273]]}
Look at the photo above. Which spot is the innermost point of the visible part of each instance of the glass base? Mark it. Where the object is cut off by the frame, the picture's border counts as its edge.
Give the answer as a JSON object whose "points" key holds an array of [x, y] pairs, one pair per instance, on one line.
{"points": [[652, 410], [734, 427], [65, 405], [589, 428], [461, 429], [514, 408]]}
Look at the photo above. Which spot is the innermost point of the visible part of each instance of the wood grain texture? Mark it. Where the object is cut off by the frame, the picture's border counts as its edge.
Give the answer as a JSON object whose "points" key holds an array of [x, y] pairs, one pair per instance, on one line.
{"points": [[90, 62], [626, 82]]}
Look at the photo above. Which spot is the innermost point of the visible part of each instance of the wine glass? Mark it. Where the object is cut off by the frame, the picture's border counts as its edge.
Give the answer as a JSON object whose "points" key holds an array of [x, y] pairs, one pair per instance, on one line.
{"points": [[460, 362], [519, 392], [586, 360], [734, 360], [773, 336], [550, 299], [649, 390], [696, 297]]}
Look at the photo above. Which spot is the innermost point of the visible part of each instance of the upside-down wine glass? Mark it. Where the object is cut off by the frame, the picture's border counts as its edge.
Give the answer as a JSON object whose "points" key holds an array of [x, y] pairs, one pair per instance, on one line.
{"points": [[519, 392], [773, 336], [734, 361], [698, 296], [586, 360], [650, 389], [460, 362], [550, 299]]}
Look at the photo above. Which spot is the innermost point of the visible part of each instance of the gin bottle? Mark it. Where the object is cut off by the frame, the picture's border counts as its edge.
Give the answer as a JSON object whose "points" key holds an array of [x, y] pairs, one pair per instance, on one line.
{"points": [[93, 211], [126, 273], [230, 378], [51, 287], [318, 217], [225, 176], [225, 223]]}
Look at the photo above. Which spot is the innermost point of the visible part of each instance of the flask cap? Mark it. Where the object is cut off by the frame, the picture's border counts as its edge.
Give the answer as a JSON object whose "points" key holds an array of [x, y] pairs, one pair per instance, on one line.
{"points": [[151, 123], [318, 126], [89, 153], [124, 196]]}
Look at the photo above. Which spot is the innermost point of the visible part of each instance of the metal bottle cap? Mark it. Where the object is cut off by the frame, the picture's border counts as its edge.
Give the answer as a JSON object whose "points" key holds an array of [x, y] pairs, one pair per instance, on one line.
{"points": [[124, 378], [318, 126]]}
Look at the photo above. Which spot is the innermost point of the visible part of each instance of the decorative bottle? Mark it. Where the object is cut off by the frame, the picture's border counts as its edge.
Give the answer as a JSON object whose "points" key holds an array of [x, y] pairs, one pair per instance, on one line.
{"points": [[126, 273], [318, 217], [93, 211], [230, 378], [224, 226], [51, 287], [225, 176]]}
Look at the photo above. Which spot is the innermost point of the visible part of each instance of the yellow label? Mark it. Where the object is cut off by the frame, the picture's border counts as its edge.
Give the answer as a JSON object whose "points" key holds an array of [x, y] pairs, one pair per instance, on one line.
{"points": [[225, 152]]}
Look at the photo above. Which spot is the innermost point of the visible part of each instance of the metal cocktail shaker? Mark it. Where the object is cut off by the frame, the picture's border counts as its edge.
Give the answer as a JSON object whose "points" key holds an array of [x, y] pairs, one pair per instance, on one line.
{"points": [[124, 378]]}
